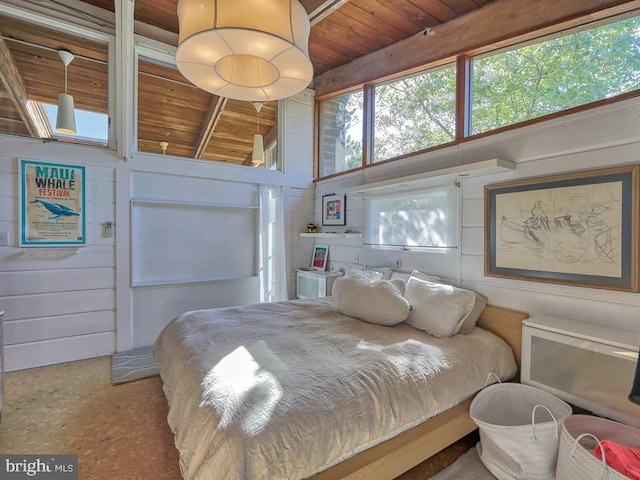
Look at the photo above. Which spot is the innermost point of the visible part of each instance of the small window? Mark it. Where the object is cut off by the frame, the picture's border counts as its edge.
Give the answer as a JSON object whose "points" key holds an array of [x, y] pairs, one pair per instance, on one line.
{"points": [[554, 75], [341, 133], [425, 218], [415, 113], [91, 127]]}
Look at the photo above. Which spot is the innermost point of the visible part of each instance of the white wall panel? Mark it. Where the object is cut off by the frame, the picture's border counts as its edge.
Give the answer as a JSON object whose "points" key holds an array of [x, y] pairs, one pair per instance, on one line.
{"points": [[30, 355], [473, 241], [62, 303], [154, 307], [58, 280], [13, 259], [46, 328]]}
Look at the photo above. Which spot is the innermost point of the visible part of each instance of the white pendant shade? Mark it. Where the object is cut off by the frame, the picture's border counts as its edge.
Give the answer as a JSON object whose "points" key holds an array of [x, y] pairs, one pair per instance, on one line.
{"points": [[257, 156], [66, 119], [253, 50]]}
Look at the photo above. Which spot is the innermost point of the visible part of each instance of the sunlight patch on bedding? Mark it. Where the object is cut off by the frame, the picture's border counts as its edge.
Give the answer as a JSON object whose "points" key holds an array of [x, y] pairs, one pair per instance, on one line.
{"points": [[411, 357], [243, 388]]}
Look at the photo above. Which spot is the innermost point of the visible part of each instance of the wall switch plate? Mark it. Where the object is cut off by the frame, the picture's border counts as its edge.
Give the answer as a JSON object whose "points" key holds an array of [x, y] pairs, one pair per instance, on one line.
{"points": [[4, 239]]}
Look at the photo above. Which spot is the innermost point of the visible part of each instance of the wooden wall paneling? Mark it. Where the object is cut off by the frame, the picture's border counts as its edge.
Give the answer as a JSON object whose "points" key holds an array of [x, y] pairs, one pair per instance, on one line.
{"points": [[61, 326], [55, 280], [59, 350], [100, 256], [35, 305], [161, 186]]}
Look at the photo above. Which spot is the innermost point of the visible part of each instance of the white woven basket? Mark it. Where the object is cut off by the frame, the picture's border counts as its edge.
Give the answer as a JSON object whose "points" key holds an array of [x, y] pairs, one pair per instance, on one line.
{"points": [[580, 434], [519, 430]]}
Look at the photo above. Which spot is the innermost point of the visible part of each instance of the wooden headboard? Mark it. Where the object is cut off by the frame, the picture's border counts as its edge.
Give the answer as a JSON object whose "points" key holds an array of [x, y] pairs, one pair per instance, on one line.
{"points": [[507, 324]]}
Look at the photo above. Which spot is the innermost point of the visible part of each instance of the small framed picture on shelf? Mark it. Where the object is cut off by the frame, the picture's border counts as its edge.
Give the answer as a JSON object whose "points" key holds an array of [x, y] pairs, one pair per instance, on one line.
{"points": [[319, 257], [334, 209]]}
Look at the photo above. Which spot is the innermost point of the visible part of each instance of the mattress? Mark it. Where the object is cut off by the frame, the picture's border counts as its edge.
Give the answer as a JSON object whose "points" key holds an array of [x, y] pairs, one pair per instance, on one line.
{"points": [[285, 390]]}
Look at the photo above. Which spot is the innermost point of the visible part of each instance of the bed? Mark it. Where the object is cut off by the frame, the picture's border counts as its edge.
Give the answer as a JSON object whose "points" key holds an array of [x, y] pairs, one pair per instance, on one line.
{"points": [[296, 389]]}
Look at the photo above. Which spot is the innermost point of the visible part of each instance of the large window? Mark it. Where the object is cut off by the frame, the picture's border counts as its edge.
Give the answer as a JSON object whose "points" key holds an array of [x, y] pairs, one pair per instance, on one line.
{"points": [[425, 218], [581, 68], [414, 113], [554, 75], [341, 133]]}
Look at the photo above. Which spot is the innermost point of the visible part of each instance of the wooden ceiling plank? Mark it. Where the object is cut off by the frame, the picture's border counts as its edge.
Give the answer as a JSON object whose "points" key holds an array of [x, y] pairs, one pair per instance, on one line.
{"points": [[491, 24], [436, 9], [318, 10], [216, 107], [30, 115]]}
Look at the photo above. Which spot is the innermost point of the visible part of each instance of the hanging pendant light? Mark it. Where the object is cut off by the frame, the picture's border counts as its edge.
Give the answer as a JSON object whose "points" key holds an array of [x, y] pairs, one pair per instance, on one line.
{"points": [[253, 50], [257, 156], [66, 120]]}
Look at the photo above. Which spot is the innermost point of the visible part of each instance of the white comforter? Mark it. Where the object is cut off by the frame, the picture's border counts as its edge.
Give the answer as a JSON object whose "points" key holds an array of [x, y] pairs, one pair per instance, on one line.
{"points": [[284, 390]]}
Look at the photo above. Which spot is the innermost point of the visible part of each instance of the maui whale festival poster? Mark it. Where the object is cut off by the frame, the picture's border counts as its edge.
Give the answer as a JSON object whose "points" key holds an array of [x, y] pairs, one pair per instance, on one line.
{"points": [[52, 204]]}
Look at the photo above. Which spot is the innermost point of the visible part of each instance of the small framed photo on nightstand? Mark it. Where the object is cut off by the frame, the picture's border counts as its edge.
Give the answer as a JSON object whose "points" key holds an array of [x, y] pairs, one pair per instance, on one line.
{"points": [[319, 257]]}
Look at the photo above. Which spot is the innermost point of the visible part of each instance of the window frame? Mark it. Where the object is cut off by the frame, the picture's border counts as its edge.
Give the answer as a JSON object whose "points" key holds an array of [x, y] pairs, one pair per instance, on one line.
{"points": [[78, 30], [452, 199], [463, 92]]}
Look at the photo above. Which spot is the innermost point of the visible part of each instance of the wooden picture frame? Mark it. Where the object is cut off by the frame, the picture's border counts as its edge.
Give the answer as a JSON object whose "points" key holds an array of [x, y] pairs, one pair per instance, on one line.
{"points": [[334, 209], [574, 229], [319, 257]]}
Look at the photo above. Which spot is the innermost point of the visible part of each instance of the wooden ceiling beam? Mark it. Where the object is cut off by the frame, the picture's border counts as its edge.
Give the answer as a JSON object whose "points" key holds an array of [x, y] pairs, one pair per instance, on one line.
{"points": [[216, 107], [31, 115], [495, 23], [320, 9]]}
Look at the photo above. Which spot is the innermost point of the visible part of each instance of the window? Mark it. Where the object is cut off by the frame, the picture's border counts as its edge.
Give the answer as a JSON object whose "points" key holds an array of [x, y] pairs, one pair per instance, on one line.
{"points": [[195, 123], [32, 45], [414, 113], [91, 127], [554, 75], [502, 88], [425, 218], [341, 133]]}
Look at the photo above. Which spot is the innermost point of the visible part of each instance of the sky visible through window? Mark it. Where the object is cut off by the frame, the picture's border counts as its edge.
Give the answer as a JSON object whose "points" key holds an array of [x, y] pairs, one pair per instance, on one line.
{"points": [[89, 125]]}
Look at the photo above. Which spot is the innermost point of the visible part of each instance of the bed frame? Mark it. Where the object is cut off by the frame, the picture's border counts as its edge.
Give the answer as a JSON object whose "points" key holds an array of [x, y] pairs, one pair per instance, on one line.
{"points": [[395, 456]]}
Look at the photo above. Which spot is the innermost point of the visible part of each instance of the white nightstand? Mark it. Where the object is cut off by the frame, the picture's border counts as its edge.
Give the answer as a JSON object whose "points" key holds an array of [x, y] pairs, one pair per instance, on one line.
{"points": [[314, 283], [590, 366]]}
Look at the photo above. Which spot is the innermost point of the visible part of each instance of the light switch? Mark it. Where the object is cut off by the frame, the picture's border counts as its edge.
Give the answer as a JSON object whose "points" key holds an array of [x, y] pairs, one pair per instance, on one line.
{"points": [[4, 239], [107, 229]]}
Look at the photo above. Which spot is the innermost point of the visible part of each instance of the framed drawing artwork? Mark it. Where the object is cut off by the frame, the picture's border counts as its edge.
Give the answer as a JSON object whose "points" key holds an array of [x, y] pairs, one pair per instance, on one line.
{"points": [[52, 204], [319, 257], [575, 229], [334, 209]]}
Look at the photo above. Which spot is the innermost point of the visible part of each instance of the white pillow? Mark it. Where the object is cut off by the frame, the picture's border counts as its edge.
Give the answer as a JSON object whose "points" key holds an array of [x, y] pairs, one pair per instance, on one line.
{"points": [[376, 302], [406, 276], [399, 284], [469, 321], [370, 274], [438, 309]]}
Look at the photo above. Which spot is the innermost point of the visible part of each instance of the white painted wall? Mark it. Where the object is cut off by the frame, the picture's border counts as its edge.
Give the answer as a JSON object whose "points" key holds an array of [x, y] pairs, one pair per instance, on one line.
{"points": [[603, 137], [59, 309]]}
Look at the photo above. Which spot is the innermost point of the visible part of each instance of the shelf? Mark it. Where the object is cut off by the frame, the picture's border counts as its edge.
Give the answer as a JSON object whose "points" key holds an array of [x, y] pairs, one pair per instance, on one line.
{"points": [[485, 167], [331, 235]]}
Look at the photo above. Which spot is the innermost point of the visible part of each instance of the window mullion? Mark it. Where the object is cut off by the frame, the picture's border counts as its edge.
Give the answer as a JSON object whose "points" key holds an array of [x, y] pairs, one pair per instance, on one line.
{"points": [[463, 96], [368, 115]]}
